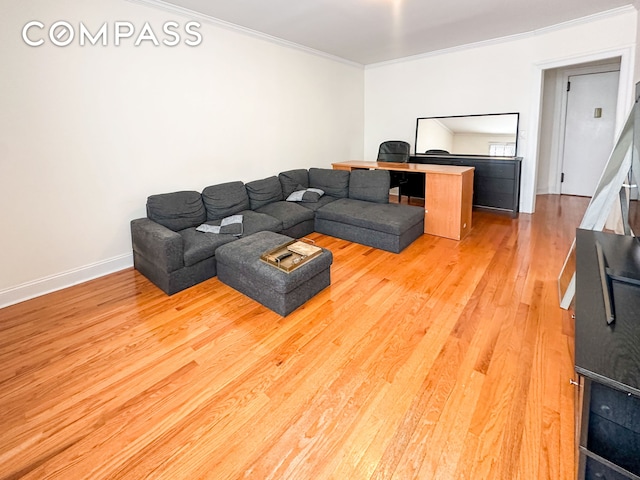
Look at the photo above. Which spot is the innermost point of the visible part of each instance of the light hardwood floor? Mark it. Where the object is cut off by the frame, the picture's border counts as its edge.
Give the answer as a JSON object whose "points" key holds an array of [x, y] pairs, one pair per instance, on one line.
{"points": [[450, 360]]}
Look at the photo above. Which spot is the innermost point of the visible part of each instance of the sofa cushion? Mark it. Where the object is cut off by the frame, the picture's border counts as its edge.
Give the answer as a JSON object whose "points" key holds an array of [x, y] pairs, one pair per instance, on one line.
{"points": [[178, 210], [290, 214], [263, 192], [225, 199], [390, 218], [199, 246], [370, 185], [253, 222], [332, 182], [291, 179], [322, 201]]}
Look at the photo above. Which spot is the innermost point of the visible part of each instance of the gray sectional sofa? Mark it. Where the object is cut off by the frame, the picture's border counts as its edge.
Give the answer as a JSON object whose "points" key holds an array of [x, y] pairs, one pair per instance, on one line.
{"points": [[169, 249]]}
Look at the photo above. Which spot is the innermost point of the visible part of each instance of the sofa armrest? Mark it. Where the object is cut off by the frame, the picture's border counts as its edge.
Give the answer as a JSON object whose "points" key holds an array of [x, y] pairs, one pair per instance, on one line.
{"points": [[158, 244]]}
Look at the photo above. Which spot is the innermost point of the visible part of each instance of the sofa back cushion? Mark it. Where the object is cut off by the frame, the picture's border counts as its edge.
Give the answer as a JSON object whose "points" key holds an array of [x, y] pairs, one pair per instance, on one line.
{"points": [[263, 192], [370, 185], [225, 199], [177, 210], [333, 182], [291, 179]]}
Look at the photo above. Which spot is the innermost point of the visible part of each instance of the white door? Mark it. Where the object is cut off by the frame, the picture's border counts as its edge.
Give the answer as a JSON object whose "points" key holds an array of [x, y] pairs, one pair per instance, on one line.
{"points": [[589, 130]]}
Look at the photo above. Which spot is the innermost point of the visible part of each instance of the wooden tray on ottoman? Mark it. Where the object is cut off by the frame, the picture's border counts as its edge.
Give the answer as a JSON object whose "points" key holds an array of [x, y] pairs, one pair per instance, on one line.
{"points": [[298, 252]]}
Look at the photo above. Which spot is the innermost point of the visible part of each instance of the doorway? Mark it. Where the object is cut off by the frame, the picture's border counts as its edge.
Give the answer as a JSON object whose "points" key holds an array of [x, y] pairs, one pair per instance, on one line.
{"points": [[581, 165], [589, 129]]}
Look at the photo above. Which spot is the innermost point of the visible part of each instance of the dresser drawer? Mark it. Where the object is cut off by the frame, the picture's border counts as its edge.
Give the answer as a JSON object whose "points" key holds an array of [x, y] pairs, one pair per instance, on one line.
{"points": [[613, 427], [494, 169], [616, 406], [595, 470]]}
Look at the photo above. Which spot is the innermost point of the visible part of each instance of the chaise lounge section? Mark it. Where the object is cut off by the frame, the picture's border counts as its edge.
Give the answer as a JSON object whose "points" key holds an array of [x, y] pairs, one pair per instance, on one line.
{"points": [[171, 251], [367, 217]]}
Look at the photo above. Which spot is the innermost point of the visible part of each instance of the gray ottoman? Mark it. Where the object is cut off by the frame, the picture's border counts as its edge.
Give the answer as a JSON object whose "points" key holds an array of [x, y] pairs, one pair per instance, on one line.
{"points": [[240, 267]]}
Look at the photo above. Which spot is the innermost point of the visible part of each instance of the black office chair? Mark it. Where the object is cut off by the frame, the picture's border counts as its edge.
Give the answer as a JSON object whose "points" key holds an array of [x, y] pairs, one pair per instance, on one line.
{"points": [[396, 151], [437, 151]]}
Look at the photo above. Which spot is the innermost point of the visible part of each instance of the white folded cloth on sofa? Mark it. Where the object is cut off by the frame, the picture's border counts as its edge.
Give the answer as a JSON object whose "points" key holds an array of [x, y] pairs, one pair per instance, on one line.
{"points": [[231, 225]]}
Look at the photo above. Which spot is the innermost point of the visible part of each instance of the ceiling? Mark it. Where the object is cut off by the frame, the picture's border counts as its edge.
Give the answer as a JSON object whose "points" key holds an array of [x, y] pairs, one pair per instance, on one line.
{"points": [[372, 31]]}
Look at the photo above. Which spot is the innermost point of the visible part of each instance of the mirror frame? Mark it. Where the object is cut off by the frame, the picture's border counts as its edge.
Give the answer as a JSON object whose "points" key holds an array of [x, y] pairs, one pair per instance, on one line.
{"points": [[517, 132]]}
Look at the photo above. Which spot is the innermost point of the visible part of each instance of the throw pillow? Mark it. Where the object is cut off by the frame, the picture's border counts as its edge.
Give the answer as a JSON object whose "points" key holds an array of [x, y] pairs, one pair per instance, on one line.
{"points": [[312, 195], [296, 196], [308, 195], [290, 179]]}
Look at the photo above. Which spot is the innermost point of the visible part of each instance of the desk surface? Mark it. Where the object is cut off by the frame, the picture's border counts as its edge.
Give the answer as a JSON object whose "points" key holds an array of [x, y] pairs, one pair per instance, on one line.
{"points": [[405, 167]]}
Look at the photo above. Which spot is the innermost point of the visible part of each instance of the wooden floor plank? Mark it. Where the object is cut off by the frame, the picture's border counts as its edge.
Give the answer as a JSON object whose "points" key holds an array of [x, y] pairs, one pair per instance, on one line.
{"points": [[450, 360]]}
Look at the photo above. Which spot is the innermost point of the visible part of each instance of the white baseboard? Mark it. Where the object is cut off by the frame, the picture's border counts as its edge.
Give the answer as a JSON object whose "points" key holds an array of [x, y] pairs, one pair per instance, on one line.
{"points": [[52, 283]]}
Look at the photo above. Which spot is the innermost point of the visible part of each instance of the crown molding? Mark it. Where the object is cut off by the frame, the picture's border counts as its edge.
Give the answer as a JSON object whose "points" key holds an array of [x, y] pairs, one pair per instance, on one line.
{"points": [[192, 14], [510, 38]]}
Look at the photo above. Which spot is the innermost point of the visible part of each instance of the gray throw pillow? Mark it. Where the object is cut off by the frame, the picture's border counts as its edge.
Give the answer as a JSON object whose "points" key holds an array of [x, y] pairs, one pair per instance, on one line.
{"points": [[307, 195], [291, 179], [312, 195]]}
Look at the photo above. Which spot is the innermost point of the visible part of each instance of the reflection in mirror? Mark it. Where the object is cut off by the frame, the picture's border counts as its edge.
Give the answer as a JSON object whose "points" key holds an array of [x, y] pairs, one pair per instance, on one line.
{"points": [[494, 134]]}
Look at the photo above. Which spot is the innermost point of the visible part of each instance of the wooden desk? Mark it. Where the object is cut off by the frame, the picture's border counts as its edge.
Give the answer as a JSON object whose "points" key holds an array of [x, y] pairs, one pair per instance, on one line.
{"points": [[448, 194], [496, 180]]}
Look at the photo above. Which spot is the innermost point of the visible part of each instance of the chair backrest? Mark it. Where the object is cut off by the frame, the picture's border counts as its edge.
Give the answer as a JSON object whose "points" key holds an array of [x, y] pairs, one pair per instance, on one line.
{"points": [[394, 151], [437, 151]]}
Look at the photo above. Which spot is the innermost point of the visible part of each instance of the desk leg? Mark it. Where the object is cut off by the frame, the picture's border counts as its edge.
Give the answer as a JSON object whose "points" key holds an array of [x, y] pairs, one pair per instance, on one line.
{"points": [[448, 204]]}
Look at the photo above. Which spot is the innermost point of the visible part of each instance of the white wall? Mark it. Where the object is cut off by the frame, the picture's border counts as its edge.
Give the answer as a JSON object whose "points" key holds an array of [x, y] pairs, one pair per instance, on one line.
{"points": [[636, 76], [462, 82], [547, 146], [478, 143], [432, 135], [87, 133]]}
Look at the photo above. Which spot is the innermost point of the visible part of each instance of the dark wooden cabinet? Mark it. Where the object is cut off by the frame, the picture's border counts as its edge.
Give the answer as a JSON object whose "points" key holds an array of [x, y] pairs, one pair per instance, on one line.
{"points": [[607, 357], [496, 181]]}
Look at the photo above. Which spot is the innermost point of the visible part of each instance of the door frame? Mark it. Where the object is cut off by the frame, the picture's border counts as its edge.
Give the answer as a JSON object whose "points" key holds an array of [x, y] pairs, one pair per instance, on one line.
{"points": [[560, 127], [625, 101]]}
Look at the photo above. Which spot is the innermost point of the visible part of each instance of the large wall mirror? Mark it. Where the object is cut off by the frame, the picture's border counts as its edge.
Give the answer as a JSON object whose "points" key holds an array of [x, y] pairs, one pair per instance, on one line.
{"points": [[494, 134]]}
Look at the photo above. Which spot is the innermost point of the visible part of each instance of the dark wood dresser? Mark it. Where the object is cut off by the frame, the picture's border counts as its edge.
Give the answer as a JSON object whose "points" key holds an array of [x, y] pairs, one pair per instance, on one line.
{"points": [[607, 356], [496, 180]]}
